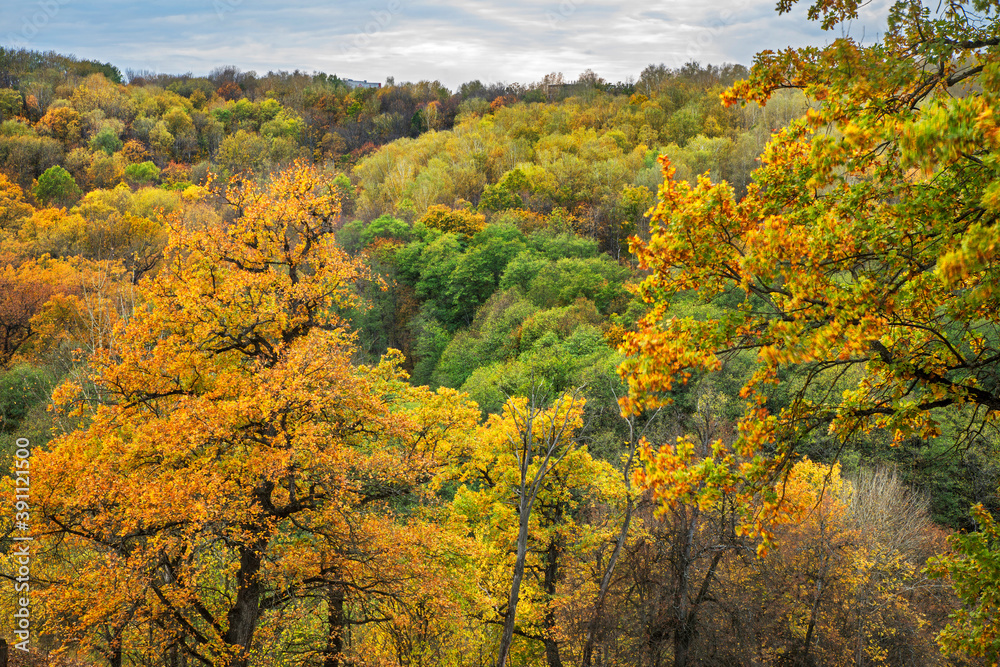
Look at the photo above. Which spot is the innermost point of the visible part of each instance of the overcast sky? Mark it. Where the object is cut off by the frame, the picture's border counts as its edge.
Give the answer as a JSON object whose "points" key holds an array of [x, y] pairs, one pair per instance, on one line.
{"points": [[452, 41]]}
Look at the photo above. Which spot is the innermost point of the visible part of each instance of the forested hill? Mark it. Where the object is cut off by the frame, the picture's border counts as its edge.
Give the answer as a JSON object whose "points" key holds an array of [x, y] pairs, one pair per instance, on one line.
{"points": [[92, 164], [494, 220], [699, 368], [282, 115]]}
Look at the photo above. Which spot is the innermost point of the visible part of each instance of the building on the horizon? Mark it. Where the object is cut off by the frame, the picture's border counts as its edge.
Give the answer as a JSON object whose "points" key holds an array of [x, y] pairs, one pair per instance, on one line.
{"points": [[354, 83]]}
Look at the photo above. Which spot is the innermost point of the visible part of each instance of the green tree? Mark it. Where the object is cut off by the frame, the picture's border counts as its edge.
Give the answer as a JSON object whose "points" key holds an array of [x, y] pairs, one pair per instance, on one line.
{"points": [[106, 140], [142, 173], [974, 572], [478, 271], [56, 186], [11, 103], [385, 227], [437, 263]]}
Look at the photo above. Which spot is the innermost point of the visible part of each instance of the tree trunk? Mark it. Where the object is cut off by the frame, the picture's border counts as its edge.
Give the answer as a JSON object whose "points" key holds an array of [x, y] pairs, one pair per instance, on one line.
{"points": [[552, 652], [555, 435], [686, 607], [551, 576], [588, 647], [814, 612], [515, 587], [682, 645], [336, 623], [682, 563], [245, 613]]}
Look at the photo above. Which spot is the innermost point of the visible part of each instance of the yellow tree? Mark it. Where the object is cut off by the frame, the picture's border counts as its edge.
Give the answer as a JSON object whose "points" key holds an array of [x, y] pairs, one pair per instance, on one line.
{"points": [[35, 305], [842, 587], [861, 266], [860, 269], [525, 477], [13, 208], [218, 476], [420, 558], [457, 221]]}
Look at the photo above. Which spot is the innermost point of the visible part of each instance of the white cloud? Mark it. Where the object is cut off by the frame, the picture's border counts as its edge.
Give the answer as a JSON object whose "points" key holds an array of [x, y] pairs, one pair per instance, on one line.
{"points": [[452, 41]]}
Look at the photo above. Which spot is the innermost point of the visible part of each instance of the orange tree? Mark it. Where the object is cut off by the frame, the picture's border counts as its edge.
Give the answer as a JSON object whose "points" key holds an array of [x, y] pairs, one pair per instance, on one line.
{"points": [[860, 271], [220, 476]]}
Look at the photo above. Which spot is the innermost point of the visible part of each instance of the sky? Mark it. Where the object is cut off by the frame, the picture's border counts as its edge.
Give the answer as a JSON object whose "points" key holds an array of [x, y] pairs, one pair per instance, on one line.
{"points": [[452, 41]]}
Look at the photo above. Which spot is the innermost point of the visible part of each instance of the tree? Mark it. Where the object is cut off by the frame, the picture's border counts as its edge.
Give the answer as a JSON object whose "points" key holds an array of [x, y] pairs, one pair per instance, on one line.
{"points": [[142, 172], [56, 186], [974, 574], [861, 266], [622, 536], [106, 140], [13, 208], [700, 522], [119, 226], [223, 473], [11, 103], [34, 313], [844, 585], [524, 447], [455, 221], [22, 297], [62, 123]]}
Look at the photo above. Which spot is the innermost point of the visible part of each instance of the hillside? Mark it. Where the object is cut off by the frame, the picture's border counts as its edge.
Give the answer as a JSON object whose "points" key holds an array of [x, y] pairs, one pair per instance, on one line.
{"points": [[698, 368]]}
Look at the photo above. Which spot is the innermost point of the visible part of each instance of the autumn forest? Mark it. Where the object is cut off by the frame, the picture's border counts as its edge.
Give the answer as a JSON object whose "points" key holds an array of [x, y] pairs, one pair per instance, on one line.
{"points": [[700, 368]]}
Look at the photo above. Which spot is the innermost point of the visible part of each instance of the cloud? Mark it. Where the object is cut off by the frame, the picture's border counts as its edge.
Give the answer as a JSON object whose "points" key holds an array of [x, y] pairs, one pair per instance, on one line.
{"points": [[453, 41]]}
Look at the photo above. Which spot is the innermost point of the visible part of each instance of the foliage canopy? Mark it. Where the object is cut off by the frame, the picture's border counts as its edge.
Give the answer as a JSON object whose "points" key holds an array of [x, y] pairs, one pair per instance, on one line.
{"points": [[861, 269]]}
